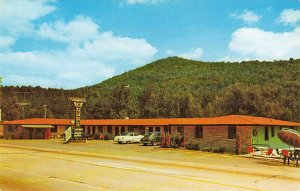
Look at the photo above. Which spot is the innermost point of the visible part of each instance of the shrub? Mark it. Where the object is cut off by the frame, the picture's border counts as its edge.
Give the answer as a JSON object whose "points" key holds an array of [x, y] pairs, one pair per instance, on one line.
{"points": [[208, 149], [106, 137], [218, 149], [176, 141], [193, 145]]}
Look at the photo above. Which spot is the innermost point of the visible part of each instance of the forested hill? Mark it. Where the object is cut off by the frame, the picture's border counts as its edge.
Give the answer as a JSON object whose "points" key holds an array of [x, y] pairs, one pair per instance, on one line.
{"points": [[176, 87]]}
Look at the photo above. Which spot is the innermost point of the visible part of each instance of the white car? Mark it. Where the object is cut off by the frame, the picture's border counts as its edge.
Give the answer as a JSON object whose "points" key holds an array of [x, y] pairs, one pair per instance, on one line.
{"points": [[129, 138]]}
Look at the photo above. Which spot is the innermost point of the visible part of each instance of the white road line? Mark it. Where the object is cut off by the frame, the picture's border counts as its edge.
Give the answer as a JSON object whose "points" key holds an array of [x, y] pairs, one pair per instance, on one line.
{"points": [[128, 167], [173, 174], [115, 165]]}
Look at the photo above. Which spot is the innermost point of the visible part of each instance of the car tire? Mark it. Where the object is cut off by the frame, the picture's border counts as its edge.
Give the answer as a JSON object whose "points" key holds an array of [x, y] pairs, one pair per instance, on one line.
{"points": [[145, 144], [154, 143]]}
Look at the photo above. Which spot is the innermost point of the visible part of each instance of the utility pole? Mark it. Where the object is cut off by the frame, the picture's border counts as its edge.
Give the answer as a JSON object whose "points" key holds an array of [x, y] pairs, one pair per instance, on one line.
{"points": [[24, 103], [23, 108], [45, 111]]}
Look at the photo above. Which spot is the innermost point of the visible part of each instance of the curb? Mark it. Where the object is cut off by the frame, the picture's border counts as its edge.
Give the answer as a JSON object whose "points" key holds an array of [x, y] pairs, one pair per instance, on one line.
{"points": [[234, 170]]}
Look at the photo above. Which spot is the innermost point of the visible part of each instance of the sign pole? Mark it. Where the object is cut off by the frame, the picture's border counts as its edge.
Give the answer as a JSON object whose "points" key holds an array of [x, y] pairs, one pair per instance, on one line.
{"points": [[78, 102]]}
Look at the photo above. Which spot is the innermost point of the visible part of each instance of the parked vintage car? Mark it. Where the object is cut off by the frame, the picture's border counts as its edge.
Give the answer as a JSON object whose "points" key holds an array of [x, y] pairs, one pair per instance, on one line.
{"points": [[129, 138], [153, 138], [87, 136]]}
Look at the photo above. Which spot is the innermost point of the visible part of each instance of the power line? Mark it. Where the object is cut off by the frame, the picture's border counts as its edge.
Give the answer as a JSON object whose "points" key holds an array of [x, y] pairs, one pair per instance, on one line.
{"points": [[24, 103]]}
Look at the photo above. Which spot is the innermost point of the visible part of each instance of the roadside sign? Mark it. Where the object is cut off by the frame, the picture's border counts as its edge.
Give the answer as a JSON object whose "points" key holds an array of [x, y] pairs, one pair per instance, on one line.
{"points": [[78, 102], [77, 134], [68, 134]]}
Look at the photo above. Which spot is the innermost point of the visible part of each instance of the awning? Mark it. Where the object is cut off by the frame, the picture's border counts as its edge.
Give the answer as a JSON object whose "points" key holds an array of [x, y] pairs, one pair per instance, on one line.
{"points": [[37, 126]]}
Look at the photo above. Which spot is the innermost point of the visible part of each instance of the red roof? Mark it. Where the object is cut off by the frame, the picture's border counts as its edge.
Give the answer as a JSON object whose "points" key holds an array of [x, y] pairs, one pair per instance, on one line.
{"points": [[250, 120], [38, 121], [223, 120]]}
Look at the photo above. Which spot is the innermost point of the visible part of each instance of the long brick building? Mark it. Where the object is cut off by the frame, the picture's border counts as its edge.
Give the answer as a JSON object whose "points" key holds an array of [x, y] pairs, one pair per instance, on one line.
{"points": [[216, 131]]}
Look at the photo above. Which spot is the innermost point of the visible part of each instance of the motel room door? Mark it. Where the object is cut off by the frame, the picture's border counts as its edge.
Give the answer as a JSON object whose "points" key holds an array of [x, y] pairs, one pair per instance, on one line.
{"points": [[30, 133], [254, 136]]}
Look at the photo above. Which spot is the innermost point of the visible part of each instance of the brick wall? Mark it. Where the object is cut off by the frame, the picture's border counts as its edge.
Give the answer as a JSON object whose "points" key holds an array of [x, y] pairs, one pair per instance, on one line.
{"points": [[105, 129], [6, 133], [218, 136], [174, 130], [112, 135], [189, 133], [1, 131], [246, 137], [60, 129]]}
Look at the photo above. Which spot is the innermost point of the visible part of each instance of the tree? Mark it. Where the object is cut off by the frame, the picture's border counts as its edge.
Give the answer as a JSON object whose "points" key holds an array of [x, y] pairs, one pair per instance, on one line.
{"points": [[1, 98], [148, 102], [121, 102], [233, 101], [188, 107], [97, 106], [10, 108]]}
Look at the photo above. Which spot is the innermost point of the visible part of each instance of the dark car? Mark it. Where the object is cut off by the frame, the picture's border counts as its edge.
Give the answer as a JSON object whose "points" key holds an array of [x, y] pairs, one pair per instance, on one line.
{"points": [[153, 138], [87, 136]]}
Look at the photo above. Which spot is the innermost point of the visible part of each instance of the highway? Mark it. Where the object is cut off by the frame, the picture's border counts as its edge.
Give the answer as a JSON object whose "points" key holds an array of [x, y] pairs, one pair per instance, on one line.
{"points": [[36, 170]]}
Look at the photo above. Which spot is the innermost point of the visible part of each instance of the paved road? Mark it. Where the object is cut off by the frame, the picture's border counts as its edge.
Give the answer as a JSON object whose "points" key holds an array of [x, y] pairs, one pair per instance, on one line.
{"points": [[35, 170]]}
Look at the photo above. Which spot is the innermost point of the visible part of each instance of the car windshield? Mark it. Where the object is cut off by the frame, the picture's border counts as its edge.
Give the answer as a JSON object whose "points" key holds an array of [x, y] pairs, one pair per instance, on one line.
{"points": [[125, 134]]}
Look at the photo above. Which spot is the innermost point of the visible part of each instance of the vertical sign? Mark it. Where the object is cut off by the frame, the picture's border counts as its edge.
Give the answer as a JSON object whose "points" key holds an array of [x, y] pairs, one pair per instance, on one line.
{"points": [[78, 102], [68, 134]]}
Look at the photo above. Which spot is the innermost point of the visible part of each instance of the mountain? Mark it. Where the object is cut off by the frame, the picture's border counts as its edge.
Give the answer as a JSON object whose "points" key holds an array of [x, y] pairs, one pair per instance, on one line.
{"points": [[176, 87], [178, 74]]}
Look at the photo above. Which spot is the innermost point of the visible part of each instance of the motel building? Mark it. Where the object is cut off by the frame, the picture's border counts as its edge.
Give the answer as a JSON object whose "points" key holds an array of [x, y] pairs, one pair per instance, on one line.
{"points": [[215, 131]]}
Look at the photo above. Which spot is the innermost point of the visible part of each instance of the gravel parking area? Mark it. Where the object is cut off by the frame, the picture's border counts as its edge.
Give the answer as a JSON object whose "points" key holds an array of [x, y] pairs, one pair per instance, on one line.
{"points": [[152, 152]]}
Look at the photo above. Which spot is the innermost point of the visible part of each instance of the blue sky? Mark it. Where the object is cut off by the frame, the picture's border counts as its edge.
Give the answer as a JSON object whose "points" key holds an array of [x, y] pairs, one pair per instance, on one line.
{"points": [[70, 44]]}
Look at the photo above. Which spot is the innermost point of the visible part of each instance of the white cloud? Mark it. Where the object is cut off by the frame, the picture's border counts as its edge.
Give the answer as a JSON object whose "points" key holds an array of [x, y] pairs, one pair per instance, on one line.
{"points": [[289, 17], [132, 2], [16, 16], [248, 17], [170, 52], [80, 29], [194, 54], [234, 59], [6, 42], [86, 41], [52, 69], [108, 47], [258, 44], [90, 56]]}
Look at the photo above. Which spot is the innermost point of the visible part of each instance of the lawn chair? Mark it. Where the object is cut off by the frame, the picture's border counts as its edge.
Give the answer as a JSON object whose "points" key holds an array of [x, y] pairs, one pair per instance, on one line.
{"points": [[101, 136], [286, 155], [269, 152], [250, 150]]}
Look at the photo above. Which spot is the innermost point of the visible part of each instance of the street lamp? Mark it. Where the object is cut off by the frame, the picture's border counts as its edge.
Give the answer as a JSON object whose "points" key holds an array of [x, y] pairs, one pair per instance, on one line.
{"points": [[45, 111]]}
